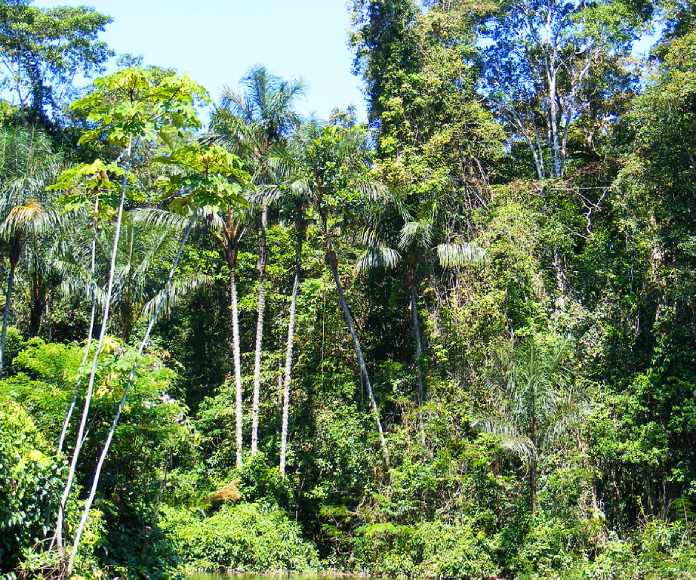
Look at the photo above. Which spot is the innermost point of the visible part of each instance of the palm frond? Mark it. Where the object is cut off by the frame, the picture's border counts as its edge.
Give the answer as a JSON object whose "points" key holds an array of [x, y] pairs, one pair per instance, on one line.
{"points": [[158, 218], [376, 257], [373, 190], [509, 436], [164, 301], [453, 255], [416, 233], [31, 217], [77, 282]]}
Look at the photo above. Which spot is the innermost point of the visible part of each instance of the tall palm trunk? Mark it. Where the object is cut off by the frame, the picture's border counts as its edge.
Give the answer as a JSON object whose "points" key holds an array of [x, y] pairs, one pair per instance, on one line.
{"points": [[332, 261], [533, 501], [6, 312], [263, 254], [37, 306], [287, 375], [533, 432], [95, 362], [85, 354], [417, 347], [107, 444], [235, 348], [36, 309]]}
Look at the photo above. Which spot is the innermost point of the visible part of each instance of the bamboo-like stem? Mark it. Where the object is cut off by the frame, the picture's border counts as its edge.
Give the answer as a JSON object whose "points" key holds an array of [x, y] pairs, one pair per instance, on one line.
{"points": [[95, 357], [107, 444]]}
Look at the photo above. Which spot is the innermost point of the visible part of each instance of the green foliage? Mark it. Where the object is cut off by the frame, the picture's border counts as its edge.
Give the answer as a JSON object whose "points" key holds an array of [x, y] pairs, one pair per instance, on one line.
{"points": [[659, 550], [30, 484], [209, 177], [46, 49], [262, 483], [431, 549], [238, 537], [135, 103], [90, 185], [512, 240], [14, 344], [152, 421]]}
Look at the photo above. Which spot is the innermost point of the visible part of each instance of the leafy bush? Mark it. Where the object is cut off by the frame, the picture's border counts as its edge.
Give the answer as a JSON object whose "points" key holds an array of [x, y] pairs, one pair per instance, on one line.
{"points": [[660, 550], [551, 545], [432, 549], [30, 485], [38, 563], [246, 536], [259, 481], [13, 344]]}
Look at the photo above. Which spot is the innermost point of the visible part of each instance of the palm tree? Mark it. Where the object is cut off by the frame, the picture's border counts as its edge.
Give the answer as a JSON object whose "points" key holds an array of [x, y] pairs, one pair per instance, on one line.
{"points": [[536, 404], [28, 164], [422, 241], [145, 243], [337, 181], [28, 220], [256, 123]]}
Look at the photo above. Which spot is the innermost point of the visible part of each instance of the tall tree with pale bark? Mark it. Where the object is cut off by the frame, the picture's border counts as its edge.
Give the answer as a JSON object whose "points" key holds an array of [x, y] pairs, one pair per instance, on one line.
{"points": [[256, 124], [336, 163], [128, 110]]}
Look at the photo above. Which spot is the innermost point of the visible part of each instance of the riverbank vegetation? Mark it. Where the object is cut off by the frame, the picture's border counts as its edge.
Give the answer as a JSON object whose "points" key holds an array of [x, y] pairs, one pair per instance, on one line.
{"points": [[456, 341]]}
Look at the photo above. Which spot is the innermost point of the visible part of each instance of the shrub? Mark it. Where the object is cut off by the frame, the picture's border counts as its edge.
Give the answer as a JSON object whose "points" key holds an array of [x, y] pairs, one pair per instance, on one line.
{"points": [[245, 537], [433, 549], [30, 485], [661, 550]]}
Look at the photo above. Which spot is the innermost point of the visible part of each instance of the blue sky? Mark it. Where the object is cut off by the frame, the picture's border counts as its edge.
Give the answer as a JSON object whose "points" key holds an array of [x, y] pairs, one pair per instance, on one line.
{"points": [[217, 41]]}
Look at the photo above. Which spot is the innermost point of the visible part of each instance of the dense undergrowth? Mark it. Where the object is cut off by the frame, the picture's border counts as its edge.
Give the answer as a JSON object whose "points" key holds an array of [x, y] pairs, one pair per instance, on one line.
{"points": [[456, 514]]}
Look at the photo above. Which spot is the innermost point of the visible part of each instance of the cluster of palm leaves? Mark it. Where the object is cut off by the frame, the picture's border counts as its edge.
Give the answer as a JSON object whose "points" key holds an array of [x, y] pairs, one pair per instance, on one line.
{"points": [[28, 164], [47, 247]]}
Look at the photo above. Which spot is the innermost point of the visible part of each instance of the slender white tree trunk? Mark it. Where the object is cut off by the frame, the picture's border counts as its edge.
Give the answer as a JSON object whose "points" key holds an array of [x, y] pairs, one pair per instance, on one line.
{"points": [[417, 343], [85, 354], [417, 353], [6, 314], [552, 80], [333, 264], [259, 330], [287, 375], [95, 362], [236, 348], [107, 444]]}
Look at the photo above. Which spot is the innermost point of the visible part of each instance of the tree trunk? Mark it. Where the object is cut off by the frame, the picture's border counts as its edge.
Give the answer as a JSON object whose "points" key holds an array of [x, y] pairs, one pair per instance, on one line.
{"points": [[38, 298], [85, 354], [95, 362], [417, 349], [107, 444], [259, 330], [533, 502], [332, 261], [533, 429], [36, 312], [6, 313], [235, 348], [289, 348], [554, 129], [561, 282]]}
